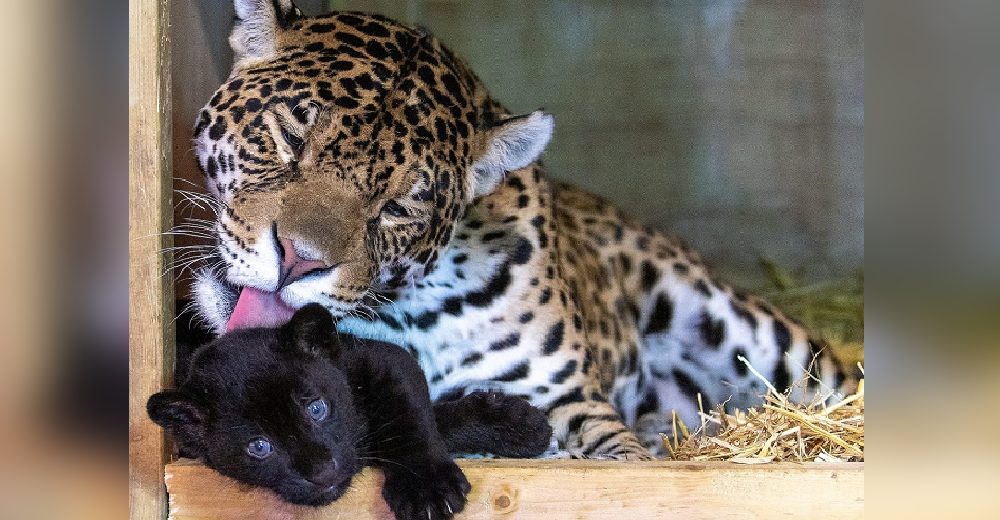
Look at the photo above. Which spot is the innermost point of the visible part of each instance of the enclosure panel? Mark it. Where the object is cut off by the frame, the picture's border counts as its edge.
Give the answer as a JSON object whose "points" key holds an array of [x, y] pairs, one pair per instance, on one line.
{"points": [[150, 293], [548, 490]]}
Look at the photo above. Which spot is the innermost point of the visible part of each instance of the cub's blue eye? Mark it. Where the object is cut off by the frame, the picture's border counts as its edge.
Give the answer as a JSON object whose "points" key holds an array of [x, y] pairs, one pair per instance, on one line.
{"points": [[317, 410], [260, 448], [395, 209]]}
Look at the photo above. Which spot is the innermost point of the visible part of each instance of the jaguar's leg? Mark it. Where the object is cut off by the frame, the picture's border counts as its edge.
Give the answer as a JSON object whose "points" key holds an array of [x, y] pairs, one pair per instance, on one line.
{"points": [[588, 427]]}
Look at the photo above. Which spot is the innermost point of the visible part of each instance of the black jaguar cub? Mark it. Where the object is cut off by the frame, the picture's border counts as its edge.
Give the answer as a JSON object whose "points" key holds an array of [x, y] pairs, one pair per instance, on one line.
{"points": [[301, 409]]}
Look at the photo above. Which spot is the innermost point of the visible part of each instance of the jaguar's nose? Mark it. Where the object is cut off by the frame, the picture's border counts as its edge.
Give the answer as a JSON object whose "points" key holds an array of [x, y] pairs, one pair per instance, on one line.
{"points": [[293, 266]]}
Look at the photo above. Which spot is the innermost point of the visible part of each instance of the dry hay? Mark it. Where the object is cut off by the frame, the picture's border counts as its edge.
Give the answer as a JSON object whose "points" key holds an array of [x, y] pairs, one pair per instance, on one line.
{"points": [[778, 431]]}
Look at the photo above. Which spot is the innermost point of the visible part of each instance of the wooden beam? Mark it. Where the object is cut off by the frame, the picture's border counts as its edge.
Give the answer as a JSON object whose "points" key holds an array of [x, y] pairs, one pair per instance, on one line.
{"points": [[150, 213], [551, 490]]}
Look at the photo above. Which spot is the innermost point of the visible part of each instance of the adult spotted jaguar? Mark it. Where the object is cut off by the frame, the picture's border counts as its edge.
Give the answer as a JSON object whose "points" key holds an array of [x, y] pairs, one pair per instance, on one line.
{"points": [[358, 163]]}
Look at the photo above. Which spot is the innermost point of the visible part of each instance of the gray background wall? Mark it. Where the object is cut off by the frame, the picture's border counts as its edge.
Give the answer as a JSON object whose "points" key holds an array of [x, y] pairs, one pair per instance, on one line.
{"points": [[737, 124]]}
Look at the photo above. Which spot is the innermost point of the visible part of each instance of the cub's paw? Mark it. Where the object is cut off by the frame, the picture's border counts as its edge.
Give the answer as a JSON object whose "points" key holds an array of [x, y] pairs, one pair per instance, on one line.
{"points": [[432, 493], [518, 428]]}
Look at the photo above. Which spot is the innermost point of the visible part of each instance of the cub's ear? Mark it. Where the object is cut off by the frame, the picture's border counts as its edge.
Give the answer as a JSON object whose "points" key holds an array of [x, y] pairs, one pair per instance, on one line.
{"points": [[258, 23], [181, 416], [311, 330], [511, 144]]}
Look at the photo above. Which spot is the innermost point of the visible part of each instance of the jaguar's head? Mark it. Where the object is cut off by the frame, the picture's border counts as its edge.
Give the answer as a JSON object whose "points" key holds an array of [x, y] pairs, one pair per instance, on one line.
{"points": [[341, 152]]}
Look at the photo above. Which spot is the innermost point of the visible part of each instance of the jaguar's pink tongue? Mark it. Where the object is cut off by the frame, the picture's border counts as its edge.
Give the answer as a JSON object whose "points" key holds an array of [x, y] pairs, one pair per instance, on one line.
{"points": [[257, 308]]}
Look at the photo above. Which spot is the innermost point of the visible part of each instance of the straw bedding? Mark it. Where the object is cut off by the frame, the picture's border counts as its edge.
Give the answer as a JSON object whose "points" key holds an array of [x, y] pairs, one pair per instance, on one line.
{"points": [[778, 431]]}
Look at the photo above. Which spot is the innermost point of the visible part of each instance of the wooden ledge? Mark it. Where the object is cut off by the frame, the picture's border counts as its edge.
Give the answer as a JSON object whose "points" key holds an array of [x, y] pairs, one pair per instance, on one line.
{"points": [[554, 489]]}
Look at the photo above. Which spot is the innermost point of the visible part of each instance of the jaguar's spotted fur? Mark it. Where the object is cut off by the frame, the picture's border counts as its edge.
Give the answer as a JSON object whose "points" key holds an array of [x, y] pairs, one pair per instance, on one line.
{"points": [[359, 164]]}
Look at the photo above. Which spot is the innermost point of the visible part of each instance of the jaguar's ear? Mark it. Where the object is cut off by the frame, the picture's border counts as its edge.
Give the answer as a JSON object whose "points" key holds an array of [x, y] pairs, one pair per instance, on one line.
{"points": [[182, 417], [311, 331], [513, 143], [258, 23]]}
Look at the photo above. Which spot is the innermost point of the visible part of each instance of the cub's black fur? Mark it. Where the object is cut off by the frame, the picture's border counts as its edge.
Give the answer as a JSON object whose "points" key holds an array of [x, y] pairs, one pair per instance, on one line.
{"points": [[301, 409]]}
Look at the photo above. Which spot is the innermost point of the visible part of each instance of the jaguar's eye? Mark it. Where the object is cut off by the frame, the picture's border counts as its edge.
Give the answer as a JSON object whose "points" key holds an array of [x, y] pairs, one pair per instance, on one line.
{"points": [[260, 448], [395, 209], [293, 140], [317, 409]]}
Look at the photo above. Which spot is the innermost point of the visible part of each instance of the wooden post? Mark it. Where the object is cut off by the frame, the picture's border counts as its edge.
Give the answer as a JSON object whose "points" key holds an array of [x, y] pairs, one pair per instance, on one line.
{"points": [[552, 489], [150, 214]]}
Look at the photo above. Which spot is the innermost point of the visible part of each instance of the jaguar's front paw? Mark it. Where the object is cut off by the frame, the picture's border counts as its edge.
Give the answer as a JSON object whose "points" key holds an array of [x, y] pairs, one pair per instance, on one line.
{"points": [[522, 430], [434, 492]]}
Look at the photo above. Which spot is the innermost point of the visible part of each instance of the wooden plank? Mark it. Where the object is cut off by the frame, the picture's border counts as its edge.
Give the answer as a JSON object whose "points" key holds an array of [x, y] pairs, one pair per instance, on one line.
{"points": [[551, 490], [150, 297]]}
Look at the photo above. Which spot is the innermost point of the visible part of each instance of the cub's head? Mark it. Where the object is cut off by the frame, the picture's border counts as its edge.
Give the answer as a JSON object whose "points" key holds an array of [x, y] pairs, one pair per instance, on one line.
{"points": [[271, 408], [341, 152]]}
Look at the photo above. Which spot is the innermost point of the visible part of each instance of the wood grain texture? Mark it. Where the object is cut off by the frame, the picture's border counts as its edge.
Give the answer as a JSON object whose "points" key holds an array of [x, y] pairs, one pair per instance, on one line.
{"points": [[552, 490], [150, 296]]}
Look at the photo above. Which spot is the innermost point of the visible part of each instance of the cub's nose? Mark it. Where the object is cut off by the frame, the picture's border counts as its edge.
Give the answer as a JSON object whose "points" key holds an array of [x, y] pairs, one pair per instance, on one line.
{"points": [[293, 266], [325, 475]]}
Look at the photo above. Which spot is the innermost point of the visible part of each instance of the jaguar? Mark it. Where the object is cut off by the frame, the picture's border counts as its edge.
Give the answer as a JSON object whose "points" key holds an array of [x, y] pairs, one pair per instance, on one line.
{"points": [[300, 409], [358, 163]]}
